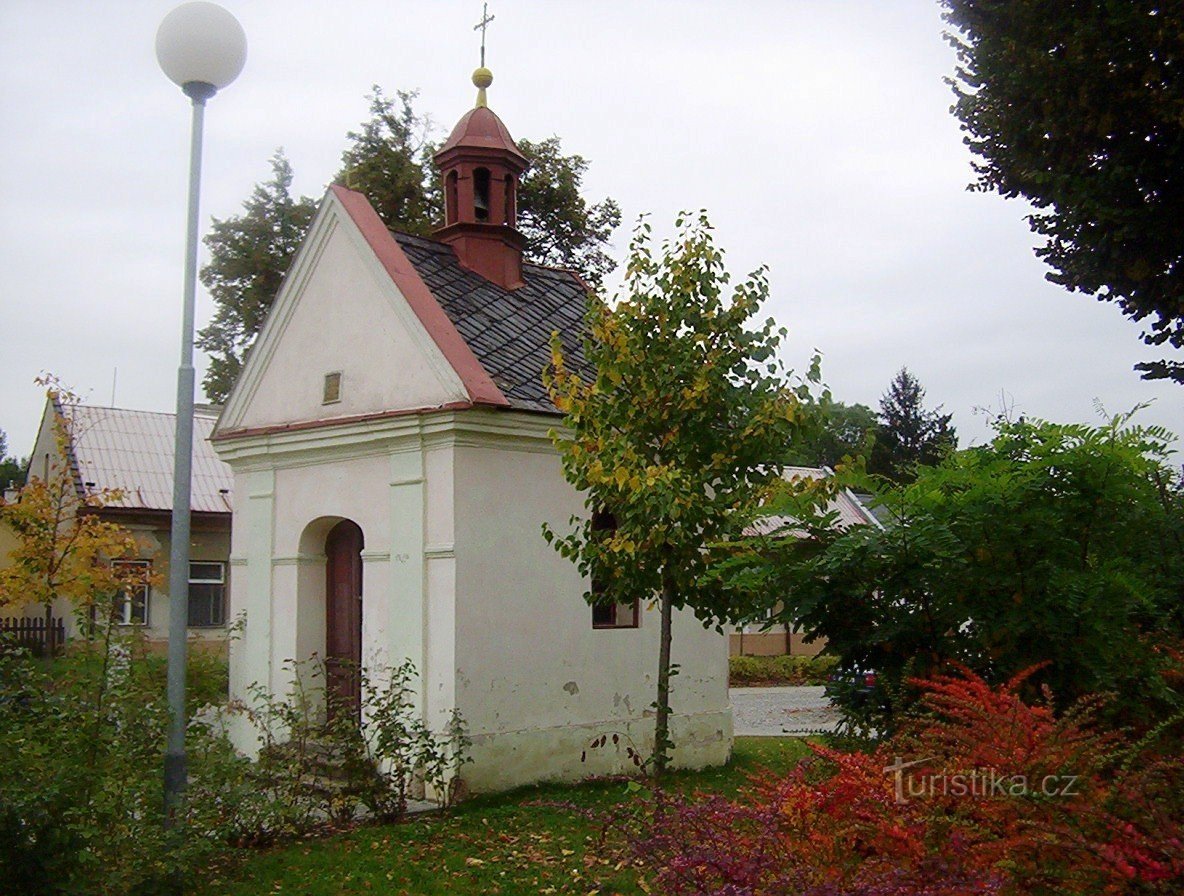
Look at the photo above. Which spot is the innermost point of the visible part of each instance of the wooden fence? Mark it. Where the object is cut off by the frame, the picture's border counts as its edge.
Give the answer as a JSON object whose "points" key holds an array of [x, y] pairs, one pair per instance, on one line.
{"points": [[38, 636]]}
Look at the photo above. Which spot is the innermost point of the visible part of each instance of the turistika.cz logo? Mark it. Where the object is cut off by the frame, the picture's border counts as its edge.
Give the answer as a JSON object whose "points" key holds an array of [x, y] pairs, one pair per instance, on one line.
{"points": [[979, 783]]}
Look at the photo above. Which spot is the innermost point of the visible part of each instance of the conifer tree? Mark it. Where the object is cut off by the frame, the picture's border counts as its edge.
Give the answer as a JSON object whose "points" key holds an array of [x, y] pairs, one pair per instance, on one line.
{"points": [[908, 434]]}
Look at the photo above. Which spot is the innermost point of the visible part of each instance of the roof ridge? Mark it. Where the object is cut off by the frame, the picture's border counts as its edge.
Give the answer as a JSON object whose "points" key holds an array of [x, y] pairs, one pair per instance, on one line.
{"points": [[204, 410]]}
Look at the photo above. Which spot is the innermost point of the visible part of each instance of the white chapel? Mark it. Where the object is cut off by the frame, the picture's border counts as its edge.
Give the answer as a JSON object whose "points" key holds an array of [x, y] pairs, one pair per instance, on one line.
{"points": [[392, 472]]}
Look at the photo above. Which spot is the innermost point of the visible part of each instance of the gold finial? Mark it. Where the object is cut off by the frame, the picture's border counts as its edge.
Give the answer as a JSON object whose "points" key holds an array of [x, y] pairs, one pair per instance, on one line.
{"points": [[482, 77]]}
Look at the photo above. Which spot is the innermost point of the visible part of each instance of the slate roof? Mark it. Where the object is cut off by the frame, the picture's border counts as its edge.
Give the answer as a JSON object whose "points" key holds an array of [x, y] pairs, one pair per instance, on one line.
{"points": [[116, 448], [508, 330]]}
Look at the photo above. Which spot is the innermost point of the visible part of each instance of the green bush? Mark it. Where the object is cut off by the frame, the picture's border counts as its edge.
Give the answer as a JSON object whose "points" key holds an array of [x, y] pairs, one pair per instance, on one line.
{"points": [[1055, 546], [81, 784], [81, 793], [768, 671]]}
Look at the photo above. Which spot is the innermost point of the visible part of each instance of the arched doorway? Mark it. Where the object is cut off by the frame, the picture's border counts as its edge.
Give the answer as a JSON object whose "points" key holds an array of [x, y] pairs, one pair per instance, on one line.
{"points": [[343, 619]]}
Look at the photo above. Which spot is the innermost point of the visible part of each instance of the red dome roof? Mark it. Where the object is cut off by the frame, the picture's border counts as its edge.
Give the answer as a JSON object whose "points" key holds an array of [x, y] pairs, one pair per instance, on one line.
{"points": [[480, 128]]}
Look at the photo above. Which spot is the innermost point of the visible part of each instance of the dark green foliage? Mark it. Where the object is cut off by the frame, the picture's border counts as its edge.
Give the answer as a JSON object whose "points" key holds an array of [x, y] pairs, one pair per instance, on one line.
{"points": [[561, 228], [81, 750], [390, 160], [908, 434], [844, 430], [12, 471], [765, 671], [81, 742], [249, 255], [1054, 544], [1079, 108]]}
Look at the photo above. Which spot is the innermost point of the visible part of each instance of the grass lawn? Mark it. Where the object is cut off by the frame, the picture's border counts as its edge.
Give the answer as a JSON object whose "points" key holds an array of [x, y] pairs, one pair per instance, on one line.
{"points": [[513, 843]]}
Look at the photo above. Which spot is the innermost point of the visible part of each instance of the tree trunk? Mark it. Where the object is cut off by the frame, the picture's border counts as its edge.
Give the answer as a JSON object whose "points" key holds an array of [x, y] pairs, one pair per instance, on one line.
{"points": [[662, 743]]}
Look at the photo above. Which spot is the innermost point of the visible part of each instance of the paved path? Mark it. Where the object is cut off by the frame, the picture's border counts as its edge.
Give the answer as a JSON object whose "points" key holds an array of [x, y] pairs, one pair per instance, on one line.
{"points": [[771, 712]]}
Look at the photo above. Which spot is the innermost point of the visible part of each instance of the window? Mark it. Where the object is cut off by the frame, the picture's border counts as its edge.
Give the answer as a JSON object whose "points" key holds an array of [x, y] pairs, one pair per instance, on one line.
{"points": [[481, 193], [511, 212], [207, 594], [610, 615], [614, 615], [332, 390], [451, 200], [131, 608]]}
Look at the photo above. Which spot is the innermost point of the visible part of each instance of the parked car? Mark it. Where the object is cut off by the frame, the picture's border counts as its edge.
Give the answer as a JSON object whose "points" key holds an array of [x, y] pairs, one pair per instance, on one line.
{"points": [[852, 688]]}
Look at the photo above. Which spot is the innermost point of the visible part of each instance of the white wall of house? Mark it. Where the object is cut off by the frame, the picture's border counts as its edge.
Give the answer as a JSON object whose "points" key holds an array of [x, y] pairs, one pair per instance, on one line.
{"points": [[458, 578], [339, 312], [535, 682]]}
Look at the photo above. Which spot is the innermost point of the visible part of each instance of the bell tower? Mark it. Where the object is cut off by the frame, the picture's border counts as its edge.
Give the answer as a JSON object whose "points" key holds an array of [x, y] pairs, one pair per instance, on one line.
{"points": [[481, 167]]}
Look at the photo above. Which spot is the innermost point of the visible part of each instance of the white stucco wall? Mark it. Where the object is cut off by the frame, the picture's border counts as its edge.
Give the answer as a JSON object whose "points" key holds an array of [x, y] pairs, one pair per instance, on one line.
{"points": [[534, 681], [294, 491], [458, 578], [339, 311]]}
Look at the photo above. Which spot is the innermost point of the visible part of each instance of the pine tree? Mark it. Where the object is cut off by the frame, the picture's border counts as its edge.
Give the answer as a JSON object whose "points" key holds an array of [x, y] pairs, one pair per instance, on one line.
{"points": [[908, 434]]}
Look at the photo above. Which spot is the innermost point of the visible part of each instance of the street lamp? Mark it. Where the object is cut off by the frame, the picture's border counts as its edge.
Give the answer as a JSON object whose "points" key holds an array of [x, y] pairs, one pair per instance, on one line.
{"points": [[202, 48]]}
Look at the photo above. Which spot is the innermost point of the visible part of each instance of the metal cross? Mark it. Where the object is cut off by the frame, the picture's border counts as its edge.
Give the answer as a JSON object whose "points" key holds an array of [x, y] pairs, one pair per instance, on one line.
{"points": [[486, 18]]}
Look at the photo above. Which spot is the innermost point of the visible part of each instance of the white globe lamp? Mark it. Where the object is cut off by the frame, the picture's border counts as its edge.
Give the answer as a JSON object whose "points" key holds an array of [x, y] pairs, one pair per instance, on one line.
{"points": [[201, 43]]}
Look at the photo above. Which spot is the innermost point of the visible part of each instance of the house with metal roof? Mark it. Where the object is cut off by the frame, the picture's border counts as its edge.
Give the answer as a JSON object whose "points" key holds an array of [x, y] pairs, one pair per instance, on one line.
{"points": [[127, 455], [767, 636], [389, 436]]}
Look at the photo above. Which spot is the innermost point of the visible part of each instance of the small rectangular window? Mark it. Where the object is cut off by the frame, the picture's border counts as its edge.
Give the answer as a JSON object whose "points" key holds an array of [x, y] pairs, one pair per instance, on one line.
{"points": [[610, 615], [615, 615], [207, 594], [131, 608], [332, 388]]}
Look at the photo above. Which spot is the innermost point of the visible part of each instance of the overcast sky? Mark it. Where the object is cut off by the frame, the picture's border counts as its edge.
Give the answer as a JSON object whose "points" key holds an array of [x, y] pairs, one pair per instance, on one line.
{"points": [[816, 134]]}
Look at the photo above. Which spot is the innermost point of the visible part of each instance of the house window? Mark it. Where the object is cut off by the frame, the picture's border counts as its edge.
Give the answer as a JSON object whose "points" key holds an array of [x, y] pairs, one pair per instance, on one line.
{"points": [[207, 594], [332, 391], [610, 615], [131, 607]]}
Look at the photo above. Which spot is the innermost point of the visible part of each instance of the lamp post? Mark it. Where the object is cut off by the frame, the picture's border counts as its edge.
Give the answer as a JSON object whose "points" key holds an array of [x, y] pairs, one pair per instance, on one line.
{"points": [[202, 48]]}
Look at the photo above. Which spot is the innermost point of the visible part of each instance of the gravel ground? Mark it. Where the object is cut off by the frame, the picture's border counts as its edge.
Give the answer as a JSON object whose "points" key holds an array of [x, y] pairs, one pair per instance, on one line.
{"points": [[771, 712]]}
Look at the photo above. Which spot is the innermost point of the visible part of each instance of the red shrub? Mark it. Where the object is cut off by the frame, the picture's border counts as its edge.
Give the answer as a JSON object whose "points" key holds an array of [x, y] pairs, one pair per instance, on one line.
{"points": [[981, 794]]}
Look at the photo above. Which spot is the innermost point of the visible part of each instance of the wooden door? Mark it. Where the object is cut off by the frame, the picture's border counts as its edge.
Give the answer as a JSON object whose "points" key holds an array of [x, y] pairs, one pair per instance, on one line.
{"points": [[343, 625]]}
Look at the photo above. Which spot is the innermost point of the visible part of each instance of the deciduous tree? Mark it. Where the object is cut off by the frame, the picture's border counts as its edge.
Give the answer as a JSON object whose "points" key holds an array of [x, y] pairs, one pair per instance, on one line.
{"points": [[249, 255], [681, 418], [63, 547], [844, 430], [1079, 108], [561, 227]]}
